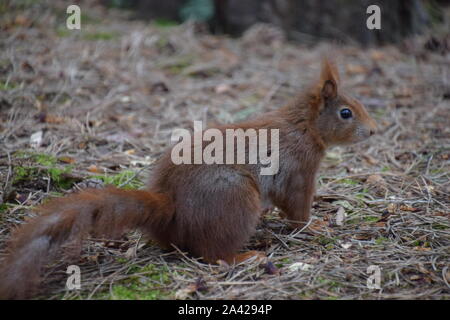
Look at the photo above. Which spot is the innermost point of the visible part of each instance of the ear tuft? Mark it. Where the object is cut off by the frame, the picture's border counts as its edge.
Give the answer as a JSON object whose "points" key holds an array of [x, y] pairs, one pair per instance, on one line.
{"points": [[329, 79], [329, 89]]}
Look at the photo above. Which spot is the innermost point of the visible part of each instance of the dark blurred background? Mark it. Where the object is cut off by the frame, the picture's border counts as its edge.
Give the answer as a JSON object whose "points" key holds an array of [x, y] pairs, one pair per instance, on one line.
{"points": [[301, 20]]}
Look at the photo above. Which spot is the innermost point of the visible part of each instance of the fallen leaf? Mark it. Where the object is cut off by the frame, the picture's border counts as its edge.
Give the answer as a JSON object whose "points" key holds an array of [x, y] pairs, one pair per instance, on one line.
{"points": [[199, 285], [362, 236], [125, 99], [408, 208], [94, 169], [145, 162], [419, 248], [355, 69], [319, 225], [391, 208], [331, 155], [36, 139], [66, 160], [442, 214], [223, 264], [378, 55], [93, 258], [340, 216], [131, 253], [222, 88], [422, 269], [299, 266], [54, 119], [21, 20], [375, 179], [380, 224], [183, 294], [346, 245], [370, 160]]}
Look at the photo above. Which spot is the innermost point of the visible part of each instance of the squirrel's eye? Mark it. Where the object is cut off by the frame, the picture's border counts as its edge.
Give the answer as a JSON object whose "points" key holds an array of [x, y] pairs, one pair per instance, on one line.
{"points": [[346, 113]]}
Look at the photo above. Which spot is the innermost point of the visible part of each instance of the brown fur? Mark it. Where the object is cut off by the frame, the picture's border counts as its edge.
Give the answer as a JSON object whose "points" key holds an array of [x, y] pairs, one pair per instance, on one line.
{"points": [[207, 210]]}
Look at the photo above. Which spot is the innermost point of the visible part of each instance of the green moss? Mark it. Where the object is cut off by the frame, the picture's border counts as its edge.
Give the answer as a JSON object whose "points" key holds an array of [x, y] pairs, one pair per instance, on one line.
{"points": [[381, 240], [152, 271], [24, 173], [144, 283], [58, 175], [40, 158], [349, 181], [63, 32], [135, 293], [354, 220], [327, 242], [95, 36], [331, 285], [45, 159], [121, 260], [437, 171], [7, 85], [283, 262], [4, 207], [362, 194], [40, 165], [371, 219], [164, 23], [119, 179]]}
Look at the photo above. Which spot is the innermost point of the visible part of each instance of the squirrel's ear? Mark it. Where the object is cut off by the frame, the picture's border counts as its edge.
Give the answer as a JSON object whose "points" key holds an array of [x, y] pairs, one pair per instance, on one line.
{"points": [[329, 79]]}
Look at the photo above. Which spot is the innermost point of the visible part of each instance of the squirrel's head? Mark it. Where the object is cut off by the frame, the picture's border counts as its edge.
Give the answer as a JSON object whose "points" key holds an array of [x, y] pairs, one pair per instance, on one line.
{"points": [[340, 119]]}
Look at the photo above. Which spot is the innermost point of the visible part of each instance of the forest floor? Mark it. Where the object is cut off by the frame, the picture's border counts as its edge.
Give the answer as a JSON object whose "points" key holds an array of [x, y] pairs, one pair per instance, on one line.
{"points": [[98, 106]]}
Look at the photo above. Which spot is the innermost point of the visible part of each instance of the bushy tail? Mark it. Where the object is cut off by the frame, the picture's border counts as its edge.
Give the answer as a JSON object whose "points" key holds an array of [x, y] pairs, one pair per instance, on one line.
{"points": [[65, 222]]}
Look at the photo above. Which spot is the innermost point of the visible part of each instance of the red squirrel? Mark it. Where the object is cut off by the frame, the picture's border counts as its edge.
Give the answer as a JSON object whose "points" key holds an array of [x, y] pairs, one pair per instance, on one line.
{"points": [[210, 211]]}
